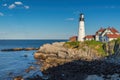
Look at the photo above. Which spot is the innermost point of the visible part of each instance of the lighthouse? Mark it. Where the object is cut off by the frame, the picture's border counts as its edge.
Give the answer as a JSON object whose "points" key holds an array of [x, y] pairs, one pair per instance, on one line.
{"points": [[81, 32]]}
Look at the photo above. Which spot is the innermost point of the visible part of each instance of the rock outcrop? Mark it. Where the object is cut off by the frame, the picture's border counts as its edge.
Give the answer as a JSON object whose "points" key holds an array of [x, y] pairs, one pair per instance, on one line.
{"points": [[112, 48], [57, 54], [77, 62]]}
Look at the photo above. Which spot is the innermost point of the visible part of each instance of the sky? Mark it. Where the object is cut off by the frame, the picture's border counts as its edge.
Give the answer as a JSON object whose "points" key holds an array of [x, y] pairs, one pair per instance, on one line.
{"points": [[55, 19]]}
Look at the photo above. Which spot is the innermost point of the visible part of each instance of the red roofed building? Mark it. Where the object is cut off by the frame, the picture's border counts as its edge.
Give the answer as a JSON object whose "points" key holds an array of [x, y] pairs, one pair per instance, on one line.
{"points": [[89, 37], [114, 30], [100, 31], [73, 38], [112, 36], [103, 35]]}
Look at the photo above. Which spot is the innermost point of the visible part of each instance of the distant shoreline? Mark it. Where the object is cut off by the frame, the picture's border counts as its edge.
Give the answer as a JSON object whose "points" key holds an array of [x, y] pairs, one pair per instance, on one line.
{"points": [[34, 39], [19, 49]]}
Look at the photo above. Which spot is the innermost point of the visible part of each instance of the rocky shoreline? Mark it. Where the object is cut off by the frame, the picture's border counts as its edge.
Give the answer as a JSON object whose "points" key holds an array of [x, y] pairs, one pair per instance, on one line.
{"points": [[61, 63], [55, 54]]}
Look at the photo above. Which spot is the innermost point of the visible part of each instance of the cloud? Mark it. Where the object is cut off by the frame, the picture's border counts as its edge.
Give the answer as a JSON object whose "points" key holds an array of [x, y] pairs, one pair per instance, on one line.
{"points": [[69, 19], [1, 14], [26, 7], [4, 5], [18, 3], [12, 6]]}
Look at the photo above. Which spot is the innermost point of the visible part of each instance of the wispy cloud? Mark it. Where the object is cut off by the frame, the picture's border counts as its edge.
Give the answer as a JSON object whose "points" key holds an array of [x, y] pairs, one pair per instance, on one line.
{"points": [[1, 14], [12, 6], [26, 7], [4, 5], [69, 19], [18, 3]]}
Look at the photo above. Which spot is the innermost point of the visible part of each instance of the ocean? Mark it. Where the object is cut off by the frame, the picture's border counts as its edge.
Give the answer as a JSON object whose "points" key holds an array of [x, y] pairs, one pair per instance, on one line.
{"points": [[14, 63]]}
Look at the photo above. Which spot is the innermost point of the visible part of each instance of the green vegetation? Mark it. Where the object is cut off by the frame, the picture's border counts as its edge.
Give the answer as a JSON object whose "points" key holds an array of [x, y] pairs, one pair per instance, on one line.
{"points": [[72, 44], [111, 47], [96, 45], [117, 44], [93, 43], [117, 41], [103, 49]]}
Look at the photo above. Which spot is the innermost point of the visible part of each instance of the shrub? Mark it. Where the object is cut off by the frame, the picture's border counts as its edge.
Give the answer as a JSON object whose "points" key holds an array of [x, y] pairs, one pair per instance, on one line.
{"points": [[96, 45], [72, 44]]}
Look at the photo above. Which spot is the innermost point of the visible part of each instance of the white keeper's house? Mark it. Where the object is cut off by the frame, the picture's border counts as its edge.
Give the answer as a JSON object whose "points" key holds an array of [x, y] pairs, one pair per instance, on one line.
{"points": [[104, 35]]}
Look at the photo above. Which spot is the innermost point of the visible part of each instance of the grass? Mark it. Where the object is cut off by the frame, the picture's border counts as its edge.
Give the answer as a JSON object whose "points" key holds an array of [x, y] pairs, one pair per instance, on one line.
{"points": [[117, 41], [96, 45], [72, 44]]}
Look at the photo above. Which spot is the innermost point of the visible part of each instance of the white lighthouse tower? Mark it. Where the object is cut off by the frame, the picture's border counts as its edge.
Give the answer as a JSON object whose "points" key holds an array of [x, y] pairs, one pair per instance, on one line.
{"points": [[81, 32]]}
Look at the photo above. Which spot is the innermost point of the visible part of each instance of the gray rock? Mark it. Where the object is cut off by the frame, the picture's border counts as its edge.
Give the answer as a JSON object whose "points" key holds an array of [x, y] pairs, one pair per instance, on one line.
{"points": [[62, 54]]}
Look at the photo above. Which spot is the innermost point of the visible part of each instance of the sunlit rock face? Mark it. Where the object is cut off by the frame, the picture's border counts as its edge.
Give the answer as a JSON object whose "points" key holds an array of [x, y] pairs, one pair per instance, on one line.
{"points": [[60, 61], [57, 54]]}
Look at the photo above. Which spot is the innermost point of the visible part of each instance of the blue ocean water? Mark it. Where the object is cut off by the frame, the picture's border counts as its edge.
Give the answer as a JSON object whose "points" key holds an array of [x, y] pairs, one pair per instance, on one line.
{"points": [[14, 63]]}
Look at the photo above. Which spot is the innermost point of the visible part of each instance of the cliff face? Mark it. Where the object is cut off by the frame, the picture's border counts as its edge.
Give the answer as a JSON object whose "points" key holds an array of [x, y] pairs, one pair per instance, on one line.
{"points": [[55, 54], [112, 48], [75, 60], [63, 52]]}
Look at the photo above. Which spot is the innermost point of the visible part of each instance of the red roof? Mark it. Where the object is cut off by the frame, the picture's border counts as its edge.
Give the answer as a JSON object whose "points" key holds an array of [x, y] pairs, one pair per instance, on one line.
{"points": [[90, 36], [113, 30], [73, 37], [113, 35], [100, 30]]}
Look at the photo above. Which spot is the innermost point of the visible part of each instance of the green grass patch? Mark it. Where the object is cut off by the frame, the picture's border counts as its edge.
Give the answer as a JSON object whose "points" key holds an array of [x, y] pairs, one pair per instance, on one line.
{"points": [[117, 41], [93, 42], [96, 45], [72, 44]]}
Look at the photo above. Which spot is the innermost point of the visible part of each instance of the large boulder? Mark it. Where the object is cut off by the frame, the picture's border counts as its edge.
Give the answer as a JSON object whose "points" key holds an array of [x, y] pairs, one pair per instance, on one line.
{"points": [[40, 56], [49, 48], [62, 54]]}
